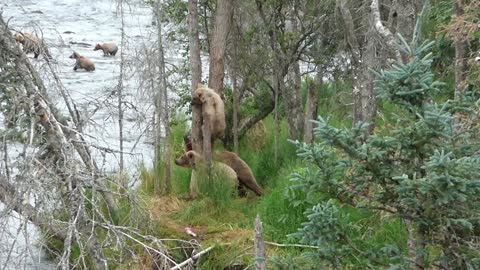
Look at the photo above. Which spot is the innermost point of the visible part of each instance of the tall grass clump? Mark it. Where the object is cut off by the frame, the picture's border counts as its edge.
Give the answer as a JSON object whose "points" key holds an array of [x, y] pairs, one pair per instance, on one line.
{"points": [[153, 179], [261, 160]]}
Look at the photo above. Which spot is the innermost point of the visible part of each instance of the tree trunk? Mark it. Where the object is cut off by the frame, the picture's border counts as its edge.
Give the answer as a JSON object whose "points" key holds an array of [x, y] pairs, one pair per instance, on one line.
{"points": [[311, 105], [260, 253], [278, 85], [162, 94], [461, 50], [292, 98], [363, 61], [365, 102], [124, 181], [223, 19], [194, 43], [236, 104]]}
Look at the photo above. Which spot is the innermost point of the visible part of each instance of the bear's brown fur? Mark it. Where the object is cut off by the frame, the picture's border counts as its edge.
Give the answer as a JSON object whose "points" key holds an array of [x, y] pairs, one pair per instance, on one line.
{"points": [[108, 48], [82, 62], [213, 109], [220, 170], [32, 44], [241, 168]]}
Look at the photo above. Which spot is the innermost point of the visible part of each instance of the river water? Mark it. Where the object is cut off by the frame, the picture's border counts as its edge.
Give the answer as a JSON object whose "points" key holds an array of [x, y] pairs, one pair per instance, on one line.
{"points": [[77, 25]]}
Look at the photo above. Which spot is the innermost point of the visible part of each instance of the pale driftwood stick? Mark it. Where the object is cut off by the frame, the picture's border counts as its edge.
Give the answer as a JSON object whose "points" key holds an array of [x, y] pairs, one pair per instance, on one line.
{"points": [[290, 245], [260, 255], [382, 30], [194, 257]]}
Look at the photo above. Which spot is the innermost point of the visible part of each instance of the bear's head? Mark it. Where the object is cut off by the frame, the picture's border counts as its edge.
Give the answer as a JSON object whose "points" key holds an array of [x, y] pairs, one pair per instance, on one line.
{"points": [[74, 55], [20, 38], [189, 159], [201, 95], [97, 47]]}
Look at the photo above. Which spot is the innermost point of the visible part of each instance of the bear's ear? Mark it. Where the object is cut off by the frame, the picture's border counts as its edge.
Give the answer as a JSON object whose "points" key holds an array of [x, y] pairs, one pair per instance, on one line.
{"points": [[189, 154]]}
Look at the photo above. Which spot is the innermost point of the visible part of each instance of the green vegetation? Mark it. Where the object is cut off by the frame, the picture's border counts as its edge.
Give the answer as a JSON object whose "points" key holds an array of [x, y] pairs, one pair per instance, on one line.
{"points": [[353, 199]]}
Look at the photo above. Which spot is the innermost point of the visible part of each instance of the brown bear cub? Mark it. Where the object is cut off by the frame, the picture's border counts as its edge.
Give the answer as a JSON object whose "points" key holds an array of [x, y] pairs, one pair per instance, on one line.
{"points": [[32, 44], [108, 48], [212, 110], [82, 62], [241, 168], [220, 171]]}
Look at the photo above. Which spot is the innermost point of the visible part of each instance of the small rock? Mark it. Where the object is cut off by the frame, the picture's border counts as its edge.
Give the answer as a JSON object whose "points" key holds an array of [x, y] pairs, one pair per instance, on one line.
{"points": [[69, 32], [37, 11]]}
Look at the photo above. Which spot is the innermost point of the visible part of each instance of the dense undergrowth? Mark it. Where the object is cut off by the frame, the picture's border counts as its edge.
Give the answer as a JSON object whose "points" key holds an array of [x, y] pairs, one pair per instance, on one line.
{"points": [[227, 222]]}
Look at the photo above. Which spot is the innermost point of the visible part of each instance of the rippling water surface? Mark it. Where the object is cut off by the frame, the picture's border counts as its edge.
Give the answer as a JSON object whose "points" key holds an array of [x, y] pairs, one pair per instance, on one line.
{"points": [[77, 25]]}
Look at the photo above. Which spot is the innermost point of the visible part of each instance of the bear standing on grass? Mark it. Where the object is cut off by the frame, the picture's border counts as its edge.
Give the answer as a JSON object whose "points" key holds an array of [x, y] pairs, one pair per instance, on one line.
{"points": [[212, 109], [244, 173], [220, 171]]}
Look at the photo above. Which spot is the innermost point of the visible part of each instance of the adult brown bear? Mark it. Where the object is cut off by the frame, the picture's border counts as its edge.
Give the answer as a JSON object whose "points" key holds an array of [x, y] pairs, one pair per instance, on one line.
{"points": [[220, 171], [108, 48], [241, 168], [213, 110], [82, 62], [32, 44]]}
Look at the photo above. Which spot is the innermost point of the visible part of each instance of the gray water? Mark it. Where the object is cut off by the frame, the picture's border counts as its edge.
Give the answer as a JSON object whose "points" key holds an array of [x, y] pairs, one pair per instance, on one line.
{"points": [[77, 25]]}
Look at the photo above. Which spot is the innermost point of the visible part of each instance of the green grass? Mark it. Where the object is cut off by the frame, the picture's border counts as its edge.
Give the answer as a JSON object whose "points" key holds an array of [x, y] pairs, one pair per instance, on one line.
{"points": [[219, 212]]}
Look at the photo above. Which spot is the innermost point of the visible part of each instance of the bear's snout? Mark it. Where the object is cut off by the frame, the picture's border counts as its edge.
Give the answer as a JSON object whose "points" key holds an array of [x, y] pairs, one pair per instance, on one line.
{"points": [[196, 101]]}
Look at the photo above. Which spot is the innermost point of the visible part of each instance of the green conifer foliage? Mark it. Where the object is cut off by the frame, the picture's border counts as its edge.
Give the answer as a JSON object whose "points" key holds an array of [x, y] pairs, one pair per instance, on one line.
{"points": [[423, 170]]}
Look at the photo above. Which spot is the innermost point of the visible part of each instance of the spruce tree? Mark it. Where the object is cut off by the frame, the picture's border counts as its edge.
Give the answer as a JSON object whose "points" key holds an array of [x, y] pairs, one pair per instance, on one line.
{"points": [[421, 168]]}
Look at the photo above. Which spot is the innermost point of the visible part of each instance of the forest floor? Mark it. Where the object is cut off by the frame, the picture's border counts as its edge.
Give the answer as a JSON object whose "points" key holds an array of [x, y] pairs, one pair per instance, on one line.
{"points": [[224, 229]]}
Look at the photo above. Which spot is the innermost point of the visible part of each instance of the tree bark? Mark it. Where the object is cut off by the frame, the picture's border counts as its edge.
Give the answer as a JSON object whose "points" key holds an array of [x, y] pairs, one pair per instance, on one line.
{"points": [[363, 61], [163, 96], [236, 105], [292, 97], [311, 105], [120, 95], [194, 43], [223, 19], [260, 253], [461, 50]]}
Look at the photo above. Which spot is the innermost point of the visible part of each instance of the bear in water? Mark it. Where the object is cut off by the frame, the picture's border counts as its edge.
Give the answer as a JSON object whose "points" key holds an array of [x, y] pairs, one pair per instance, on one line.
{"points": [[82, 62], [108, 48]]}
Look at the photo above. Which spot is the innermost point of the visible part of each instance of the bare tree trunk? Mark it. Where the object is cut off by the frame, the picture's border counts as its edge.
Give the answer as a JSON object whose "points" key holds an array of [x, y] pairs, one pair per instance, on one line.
{"points": [[260, 254], [223, 19], [293, 102], [194, 43], [120, 93], [235, 99], [278, 86], [365, 102], [365, 60], [292, 97], [162, 94], [311, 105], [461, 50]]}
